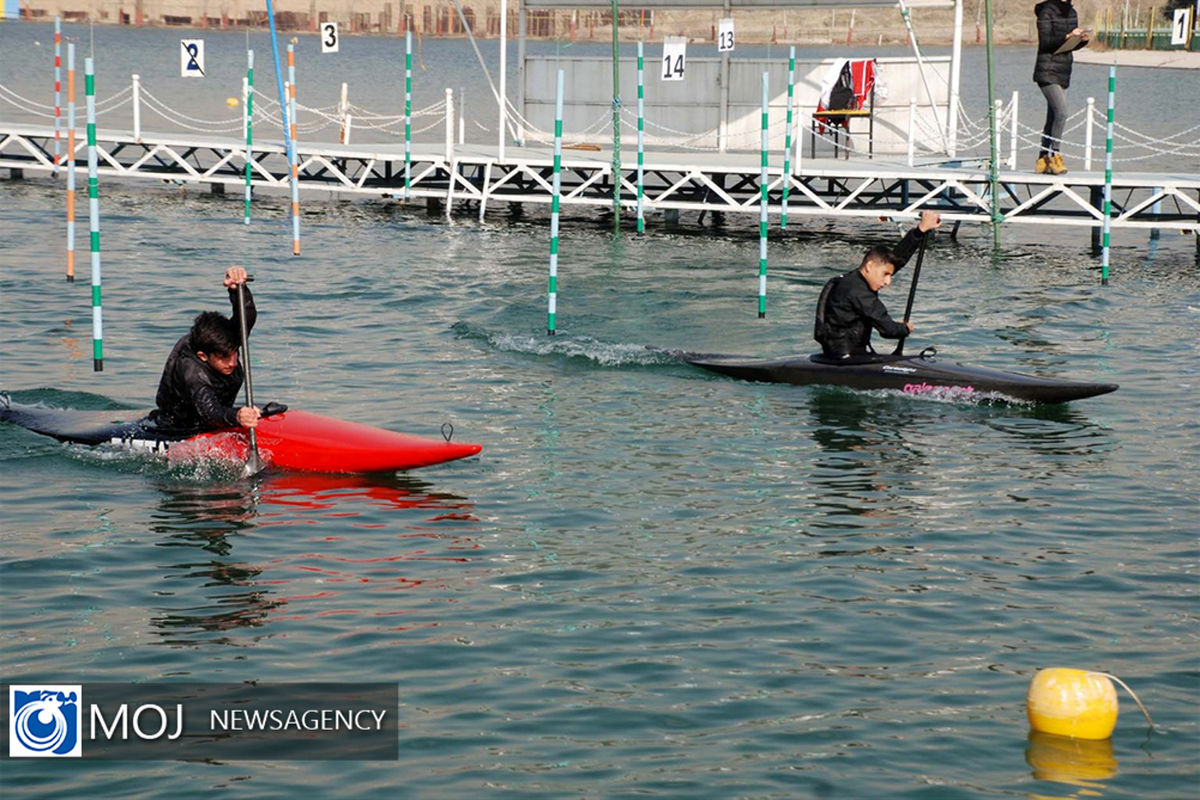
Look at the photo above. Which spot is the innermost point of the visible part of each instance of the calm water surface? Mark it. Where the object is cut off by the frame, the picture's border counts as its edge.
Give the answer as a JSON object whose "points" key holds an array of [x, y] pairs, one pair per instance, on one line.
{"points": [[653, 582]]}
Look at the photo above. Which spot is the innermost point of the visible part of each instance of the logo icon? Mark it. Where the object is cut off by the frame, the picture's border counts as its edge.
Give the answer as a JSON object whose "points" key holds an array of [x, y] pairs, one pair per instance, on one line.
{"points": [[44, 721]]}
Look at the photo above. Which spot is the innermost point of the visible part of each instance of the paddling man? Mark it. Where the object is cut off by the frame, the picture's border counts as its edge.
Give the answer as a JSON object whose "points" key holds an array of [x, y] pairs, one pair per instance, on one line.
{"points": [[849, 306], [202, 377]]}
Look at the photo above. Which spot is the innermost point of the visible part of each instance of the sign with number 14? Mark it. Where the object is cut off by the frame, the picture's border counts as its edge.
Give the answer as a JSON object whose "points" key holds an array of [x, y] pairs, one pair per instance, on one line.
{"points": [[674, 57]]}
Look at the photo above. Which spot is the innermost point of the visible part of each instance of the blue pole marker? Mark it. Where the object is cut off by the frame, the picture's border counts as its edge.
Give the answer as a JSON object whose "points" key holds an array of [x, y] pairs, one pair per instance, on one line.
{"points": [[283, 103]]}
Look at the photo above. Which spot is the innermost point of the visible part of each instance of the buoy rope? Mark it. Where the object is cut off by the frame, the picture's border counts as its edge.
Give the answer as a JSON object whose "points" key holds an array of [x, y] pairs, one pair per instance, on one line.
{"points": [[1132, 694]]}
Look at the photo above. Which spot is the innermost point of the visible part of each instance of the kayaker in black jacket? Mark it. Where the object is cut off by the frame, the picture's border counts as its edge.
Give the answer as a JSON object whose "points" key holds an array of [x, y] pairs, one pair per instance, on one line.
{"points": [[849, 305], [202, 377], [1056, 22]]}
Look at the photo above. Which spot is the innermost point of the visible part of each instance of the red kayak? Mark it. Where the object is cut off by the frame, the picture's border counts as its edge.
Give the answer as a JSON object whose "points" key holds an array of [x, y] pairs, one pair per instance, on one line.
{"points": [[287, 439]]}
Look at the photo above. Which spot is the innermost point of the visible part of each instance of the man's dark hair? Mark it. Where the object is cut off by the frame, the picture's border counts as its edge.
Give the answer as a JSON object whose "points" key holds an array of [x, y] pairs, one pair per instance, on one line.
{"points": [[213, 334], [883, 254]]}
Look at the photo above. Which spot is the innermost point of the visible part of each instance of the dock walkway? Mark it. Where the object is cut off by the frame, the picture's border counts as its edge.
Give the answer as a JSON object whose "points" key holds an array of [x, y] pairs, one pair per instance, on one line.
{"points": [[472, 177]]}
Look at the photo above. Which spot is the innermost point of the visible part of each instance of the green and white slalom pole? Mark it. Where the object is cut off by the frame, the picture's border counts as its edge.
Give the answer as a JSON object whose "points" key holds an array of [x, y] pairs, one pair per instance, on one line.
{"points": [[641, 108], [248, 108], [1108, 145], [556, 189], [762, 211], [94, 216], [407, 112], [787, 138]]}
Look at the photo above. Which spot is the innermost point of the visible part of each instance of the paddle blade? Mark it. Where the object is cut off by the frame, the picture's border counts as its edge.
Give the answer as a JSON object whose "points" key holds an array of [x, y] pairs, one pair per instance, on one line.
{"points": [[254, 463]]}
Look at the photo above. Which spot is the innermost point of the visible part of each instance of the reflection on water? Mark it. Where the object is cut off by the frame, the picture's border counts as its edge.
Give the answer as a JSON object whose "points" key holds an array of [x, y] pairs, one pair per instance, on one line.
{"points": [[208, 590], [1081, 763]]}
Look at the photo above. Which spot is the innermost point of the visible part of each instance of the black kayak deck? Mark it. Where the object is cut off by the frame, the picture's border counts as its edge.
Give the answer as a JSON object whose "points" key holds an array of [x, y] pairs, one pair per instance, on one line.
{"points": [[915, 374], [83, 426]]}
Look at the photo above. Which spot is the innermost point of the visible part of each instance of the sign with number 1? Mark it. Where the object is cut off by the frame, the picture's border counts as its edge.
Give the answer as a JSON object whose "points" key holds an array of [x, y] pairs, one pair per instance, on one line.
{"points": [[1180, 25], [674, 57], [329, 37]]}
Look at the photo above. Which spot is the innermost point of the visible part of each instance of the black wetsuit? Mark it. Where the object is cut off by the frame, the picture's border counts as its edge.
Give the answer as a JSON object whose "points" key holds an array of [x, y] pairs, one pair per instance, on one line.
{"points": [[193, 395], [852, 309]]}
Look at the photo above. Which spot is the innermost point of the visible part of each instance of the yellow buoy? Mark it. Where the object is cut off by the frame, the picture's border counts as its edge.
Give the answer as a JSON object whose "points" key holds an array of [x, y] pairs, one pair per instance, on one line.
{"points": [[1072, 702], [231, 102]]}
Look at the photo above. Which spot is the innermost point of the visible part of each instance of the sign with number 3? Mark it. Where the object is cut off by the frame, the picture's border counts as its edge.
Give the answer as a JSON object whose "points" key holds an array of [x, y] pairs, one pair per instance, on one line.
{"points": [[329, 37]]}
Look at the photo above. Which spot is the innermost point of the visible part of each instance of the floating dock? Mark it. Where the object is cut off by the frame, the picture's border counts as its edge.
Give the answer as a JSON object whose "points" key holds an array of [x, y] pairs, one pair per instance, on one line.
{"points": [[473, 177]]}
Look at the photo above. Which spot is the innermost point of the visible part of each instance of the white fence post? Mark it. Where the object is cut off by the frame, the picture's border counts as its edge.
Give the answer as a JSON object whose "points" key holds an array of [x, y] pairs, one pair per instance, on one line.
{"points": [[137, 109]]}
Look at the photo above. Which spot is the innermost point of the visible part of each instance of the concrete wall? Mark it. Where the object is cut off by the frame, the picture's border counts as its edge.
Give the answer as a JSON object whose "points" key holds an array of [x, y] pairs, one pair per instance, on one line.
{"points": [[692, 106]]}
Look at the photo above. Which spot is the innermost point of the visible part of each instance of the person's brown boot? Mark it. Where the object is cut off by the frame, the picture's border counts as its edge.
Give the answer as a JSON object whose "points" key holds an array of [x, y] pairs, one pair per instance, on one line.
{"points": [[1042, 166], [1056, 165]]}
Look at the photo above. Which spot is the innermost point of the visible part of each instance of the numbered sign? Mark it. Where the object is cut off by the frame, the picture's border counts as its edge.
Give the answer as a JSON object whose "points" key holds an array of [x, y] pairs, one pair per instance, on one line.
{"points": [[674, 57], [329, 37], [725, 36], [1180, 25], [191, 58]]}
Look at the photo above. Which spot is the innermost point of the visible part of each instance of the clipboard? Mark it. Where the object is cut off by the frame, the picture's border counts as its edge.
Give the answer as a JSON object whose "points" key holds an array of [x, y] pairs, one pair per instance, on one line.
{"points": [[1070, 44]]}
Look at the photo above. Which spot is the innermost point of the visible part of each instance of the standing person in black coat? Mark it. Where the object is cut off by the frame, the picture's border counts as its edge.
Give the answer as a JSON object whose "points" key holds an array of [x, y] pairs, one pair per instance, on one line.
{"points": [[1056, 22]]}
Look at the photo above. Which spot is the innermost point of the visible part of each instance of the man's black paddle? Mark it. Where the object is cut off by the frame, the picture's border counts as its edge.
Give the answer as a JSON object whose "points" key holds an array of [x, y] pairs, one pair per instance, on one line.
{"points": [[912, 294], [254, 464]]}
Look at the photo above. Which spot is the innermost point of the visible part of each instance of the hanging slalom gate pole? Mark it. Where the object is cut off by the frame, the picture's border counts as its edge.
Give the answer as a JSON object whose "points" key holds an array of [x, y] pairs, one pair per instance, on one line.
{"points": [[641, 111], [291, 57], [57, 92], [994, 154], [787, 139], [289, 145], [762, 211], [407, 112], [556, 187], [616, 121], [248, 111], [94, 216], [1108, 147], [70, 159]]}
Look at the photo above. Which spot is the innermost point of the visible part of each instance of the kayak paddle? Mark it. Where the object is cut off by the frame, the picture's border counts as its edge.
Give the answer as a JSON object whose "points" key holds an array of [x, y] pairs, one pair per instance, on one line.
{"points": [[254, 464], [912, 294]]}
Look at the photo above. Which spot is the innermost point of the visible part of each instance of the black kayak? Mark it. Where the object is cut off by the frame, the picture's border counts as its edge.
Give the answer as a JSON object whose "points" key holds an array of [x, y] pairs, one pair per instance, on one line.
{"points": [[913, 374]]}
